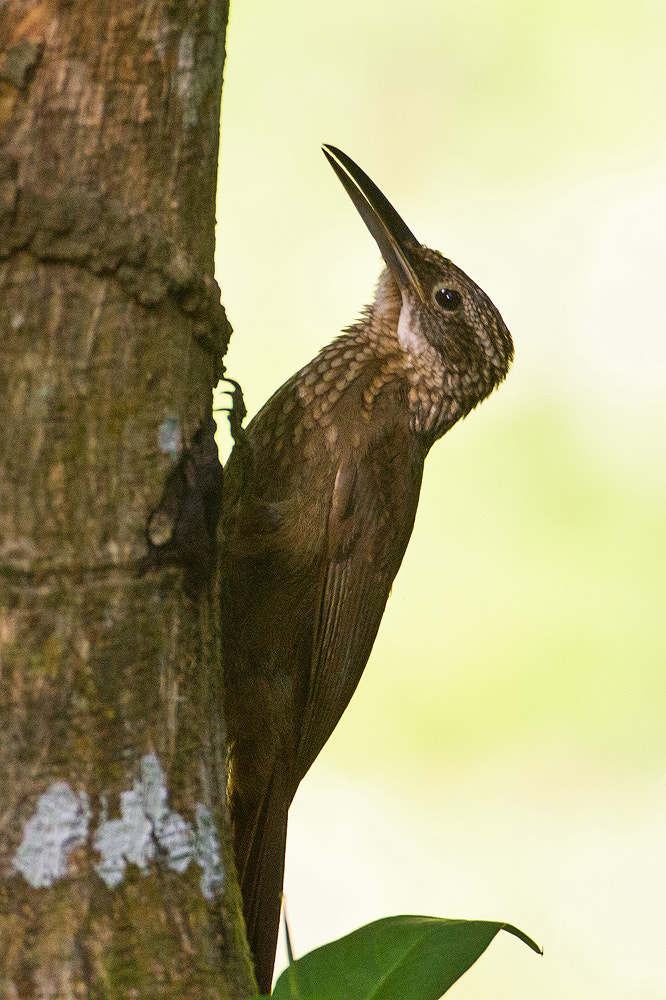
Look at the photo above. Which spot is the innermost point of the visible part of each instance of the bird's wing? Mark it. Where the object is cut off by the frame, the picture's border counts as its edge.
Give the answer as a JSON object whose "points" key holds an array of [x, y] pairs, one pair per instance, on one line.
{"points": [[370, 522]]}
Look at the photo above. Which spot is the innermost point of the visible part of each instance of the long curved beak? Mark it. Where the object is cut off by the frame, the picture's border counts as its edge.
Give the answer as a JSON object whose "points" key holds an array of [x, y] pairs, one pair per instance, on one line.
{"points": [[397, 243]]}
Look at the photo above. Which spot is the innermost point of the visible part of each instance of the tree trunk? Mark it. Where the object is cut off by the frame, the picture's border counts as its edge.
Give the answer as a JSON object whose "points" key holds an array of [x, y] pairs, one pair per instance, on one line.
{"points": [[116, 877]]}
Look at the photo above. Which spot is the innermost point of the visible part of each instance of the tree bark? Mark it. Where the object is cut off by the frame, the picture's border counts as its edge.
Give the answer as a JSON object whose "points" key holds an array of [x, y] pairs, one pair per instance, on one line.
{"points": [[116, 878]]}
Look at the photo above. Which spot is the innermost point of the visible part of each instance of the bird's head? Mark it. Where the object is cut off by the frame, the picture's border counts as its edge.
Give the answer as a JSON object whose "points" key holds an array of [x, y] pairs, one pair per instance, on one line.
{"points": [[441, 307]]}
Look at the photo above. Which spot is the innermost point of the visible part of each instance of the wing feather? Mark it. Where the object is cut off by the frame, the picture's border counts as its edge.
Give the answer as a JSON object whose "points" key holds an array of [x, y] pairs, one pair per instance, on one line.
{"points": [[370, 523]]}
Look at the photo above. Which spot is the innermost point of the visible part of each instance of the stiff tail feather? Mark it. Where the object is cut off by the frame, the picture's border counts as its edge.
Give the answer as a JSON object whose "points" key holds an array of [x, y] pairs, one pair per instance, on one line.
{"points": [[260, 837]]}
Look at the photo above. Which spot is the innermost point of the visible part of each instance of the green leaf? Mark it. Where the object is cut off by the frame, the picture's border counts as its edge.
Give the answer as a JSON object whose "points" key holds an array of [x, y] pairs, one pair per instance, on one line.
{"points": [[398, 958]]}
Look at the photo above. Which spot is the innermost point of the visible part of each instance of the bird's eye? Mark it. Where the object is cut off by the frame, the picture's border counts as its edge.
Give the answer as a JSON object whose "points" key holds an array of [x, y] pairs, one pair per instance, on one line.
{"points": [[448, 299]]}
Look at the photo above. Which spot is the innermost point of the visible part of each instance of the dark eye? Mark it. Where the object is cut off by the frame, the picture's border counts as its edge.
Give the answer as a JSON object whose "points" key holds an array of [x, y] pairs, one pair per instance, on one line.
{"points": [[448, 299]]}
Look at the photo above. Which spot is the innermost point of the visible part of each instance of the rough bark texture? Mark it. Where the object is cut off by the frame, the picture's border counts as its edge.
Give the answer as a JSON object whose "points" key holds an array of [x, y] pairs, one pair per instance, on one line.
{"points": [[115, 870]]}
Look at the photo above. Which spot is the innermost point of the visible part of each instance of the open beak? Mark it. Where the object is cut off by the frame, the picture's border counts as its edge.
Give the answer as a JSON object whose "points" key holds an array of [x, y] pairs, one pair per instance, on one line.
{"points": [[397, 243]]}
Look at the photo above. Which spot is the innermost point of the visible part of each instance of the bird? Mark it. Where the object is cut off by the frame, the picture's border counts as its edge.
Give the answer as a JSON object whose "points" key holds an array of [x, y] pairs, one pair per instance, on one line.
{"points": [[320, 495]]}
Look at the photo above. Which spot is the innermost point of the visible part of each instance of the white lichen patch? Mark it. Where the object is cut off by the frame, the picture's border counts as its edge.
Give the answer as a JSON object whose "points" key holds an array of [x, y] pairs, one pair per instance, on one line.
{"points": [[169, 438], [147, 826], [58, 826], [146, 830], [208, 854], [125, 840], [145, 823], [177, 840]]}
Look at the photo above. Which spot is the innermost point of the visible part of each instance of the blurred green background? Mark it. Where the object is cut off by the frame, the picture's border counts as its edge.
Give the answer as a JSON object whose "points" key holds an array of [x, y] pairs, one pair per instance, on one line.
{"points": [[505, 754]]}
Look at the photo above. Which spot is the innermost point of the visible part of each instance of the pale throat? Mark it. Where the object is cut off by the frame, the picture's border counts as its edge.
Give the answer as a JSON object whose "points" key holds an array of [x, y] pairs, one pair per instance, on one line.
{"points": [[410, 339], [390, 305]]}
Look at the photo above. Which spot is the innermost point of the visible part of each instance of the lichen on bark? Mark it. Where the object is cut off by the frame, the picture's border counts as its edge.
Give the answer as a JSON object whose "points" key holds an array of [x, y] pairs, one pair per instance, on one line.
{"points": [[111, 325]]}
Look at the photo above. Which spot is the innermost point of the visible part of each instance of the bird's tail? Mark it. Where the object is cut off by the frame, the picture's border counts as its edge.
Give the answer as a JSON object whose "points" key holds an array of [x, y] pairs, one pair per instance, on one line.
{"points": [[260, 837]]}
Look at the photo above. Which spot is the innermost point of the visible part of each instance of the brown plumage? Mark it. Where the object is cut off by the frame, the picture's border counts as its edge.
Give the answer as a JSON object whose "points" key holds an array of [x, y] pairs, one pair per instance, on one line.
{"points": [[318, 509]]}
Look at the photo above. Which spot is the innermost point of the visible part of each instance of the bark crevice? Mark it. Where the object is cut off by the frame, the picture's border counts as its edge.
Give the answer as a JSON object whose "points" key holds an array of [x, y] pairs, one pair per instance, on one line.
{"points": [[89, 231]]}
